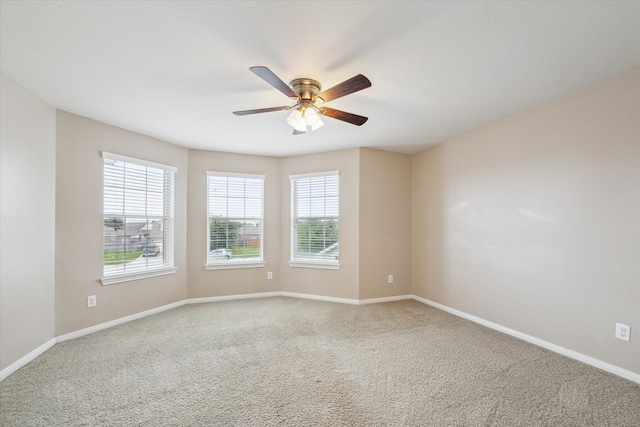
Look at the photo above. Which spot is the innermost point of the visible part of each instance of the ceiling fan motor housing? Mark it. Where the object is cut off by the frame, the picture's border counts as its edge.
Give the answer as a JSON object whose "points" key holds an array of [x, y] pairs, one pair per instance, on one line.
{"points": [[307, 89]]}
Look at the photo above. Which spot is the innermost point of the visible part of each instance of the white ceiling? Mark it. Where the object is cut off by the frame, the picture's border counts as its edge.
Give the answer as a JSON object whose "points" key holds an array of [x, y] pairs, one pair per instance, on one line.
{"points": [[175, 70]]}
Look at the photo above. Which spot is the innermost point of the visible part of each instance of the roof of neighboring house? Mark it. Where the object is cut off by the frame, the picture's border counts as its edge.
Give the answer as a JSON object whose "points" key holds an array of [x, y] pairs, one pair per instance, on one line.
{"points": [[250, 230], [134, 228]]}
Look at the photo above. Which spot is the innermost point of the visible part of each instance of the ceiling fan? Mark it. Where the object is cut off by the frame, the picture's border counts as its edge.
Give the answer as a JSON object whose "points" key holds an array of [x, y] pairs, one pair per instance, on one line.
{"points": [[309, 99]]}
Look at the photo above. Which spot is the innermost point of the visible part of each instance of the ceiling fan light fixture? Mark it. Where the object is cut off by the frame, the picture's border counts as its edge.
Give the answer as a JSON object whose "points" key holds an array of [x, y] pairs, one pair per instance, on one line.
{"points": [[318, 124], [302, 126], [294, 118], [311, 117]]}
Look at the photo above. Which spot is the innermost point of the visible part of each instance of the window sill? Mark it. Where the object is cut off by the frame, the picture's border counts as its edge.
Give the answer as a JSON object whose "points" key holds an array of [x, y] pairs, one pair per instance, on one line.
{"points": [[233, 265], [126, 277], [321, 265]]}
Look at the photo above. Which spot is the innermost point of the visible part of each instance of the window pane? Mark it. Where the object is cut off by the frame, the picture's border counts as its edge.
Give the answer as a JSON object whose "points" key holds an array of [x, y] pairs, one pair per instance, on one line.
{"points": [[138, 211], [234, 218], [314, 222], [253, 209]]}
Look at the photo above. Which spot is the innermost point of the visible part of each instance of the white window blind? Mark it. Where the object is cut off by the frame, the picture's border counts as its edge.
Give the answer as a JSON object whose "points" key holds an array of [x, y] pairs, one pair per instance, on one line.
{"points": [[235, 218], [315, 218], [138, 215]]}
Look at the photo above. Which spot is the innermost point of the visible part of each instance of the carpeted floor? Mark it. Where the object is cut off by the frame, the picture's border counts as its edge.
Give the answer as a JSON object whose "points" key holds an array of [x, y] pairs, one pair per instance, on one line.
{"points": [[293, 362]]}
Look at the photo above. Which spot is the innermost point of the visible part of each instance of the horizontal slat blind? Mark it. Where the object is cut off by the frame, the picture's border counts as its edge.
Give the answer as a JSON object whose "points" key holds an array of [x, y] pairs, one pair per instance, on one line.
{"points": [[235, 207], [138, 215], [315, 217]]}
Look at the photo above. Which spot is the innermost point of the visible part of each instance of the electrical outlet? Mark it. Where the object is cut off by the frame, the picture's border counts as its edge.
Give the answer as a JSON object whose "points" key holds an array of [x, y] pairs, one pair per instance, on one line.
{"points": [[269, 275], [623, 331], [390, 278], [91, 301]]}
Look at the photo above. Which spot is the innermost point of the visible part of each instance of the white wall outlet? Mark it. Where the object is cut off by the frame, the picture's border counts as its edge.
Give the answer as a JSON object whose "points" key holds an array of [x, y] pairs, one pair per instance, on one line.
{"points": [[623, 331], [91, 301], [269, 275], [390, 279]]}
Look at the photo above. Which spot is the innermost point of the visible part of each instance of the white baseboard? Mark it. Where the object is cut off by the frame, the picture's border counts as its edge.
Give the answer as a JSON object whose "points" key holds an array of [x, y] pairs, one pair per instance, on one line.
{"points": [[632, 376], [26, 359], [384, 299], [346, 300], [119, 321], [320, 298], [233, 297]]}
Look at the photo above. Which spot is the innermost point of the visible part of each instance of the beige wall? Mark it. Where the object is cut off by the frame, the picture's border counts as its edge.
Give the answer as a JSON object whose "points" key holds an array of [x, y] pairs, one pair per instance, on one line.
{"points": [[534, 222], [342, 283], [385, 223], [384, 231], [27, 222], [203, 283], [79, 227]]}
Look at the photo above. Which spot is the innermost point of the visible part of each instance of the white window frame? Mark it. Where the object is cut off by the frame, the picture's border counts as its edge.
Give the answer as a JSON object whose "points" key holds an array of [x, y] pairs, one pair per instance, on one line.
{"points": [[305, 262], [235, 263], [167, 266]]}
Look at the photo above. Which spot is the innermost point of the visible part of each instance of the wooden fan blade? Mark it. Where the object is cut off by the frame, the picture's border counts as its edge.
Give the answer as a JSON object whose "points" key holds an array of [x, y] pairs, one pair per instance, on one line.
{"points": [[260, 110], [354, 119], [352, 85], [268, 76]]}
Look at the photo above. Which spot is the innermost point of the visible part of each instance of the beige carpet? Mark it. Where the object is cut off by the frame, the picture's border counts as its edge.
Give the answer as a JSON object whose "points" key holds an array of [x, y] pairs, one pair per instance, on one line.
{"points": [[292, 362]]}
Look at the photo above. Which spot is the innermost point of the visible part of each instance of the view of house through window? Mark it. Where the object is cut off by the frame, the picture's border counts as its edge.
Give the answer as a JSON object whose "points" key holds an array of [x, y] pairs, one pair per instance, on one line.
{"points": [[314, 218], [234, 218], [138, 215]]}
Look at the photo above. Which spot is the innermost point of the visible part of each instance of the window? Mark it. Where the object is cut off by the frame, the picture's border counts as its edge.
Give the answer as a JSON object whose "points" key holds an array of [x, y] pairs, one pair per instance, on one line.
{"points": [[234, 220], [138, 218], [314, 220]]}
